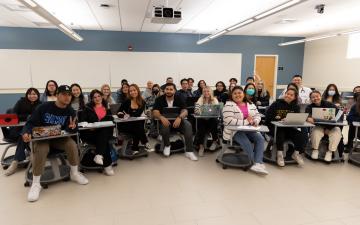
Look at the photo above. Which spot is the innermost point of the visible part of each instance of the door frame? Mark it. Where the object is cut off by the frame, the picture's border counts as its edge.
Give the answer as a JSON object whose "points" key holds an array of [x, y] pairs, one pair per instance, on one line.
{"points": [[275, 70]]}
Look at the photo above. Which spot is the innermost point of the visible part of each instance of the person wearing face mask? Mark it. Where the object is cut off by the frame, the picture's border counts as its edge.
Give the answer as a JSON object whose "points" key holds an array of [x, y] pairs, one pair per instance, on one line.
{"points": [[318, 132], [238, 111], [262, 95], [250, 91], [331, 94], [277, 112]]}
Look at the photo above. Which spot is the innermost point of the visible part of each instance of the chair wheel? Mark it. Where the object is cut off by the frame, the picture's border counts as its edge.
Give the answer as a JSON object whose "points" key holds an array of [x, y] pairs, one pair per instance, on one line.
{"points": [[224, 167], [26, 184], [5, 167], [216, 160], [45, 186], [66, 179], [146, 156], [82, 170]]}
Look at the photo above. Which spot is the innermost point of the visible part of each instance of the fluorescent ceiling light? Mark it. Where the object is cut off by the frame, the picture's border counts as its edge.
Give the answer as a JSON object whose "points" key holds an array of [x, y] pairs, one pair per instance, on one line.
{"points": [[38, 9], [218, 34], [320, 37], [240, 24], [252, 19], [350, 32], [31, 3], [292, 42], [277, 9]]}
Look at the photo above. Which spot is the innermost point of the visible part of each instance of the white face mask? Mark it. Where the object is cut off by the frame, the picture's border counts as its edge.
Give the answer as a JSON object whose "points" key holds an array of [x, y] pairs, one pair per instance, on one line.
{"points": [[331, 93]]}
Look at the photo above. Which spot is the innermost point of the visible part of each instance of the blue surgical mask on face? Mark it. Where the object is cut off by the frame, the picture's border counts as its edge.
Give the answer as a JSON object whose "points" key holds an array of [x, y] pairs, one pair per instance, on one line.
{"points": [[250, 92]]}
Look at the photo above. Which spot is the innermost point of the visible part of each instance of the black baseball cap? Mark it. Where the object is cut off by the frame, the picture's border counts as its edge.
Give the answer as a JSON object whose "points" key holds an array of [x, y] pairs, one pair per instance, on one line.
{"points": [[64, 89]]}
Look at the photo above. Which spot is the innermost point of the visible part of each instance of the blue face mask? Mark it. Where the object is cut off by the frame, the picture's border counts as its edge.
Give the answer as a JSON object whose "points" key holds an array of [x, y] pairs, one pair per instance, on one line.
{"points": [[250, 92]]}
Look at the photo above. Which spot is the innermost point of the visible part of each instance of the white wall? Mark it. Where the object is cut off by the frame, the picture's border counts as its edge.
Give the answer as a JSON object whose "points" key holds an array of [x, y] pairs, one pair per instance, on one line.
{"points": [[325, 62], [21, 69]]}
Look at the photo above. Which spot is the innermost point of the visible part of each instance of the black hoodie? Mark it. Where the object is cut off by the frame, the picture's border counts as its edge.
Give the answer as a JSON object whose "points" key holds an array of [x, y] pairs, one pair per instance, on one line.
{"points": [[24, 108], [278, 111]]}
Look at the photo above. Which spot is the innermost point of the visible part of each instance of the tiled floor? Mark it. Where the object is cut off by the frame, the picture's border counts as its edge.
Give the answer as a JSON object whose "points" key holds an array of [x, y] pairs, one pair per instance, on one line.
{"points": [[176, 191]]}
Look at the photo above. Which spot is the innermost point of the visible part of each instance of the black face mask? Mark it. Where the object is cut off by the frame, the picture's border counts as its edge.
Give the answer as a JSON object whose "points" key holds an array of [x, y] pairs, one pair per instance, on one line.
{"points": [[155, 92]]}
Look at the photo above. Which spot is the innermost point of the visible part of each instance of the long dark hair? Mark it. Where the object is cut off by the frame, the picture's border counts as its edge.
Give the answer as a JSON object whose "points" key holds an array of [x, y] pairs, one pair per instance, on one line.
{"points": [[253, 99], [357, 102], [293, 85], [81, 96], [139, 100], [91, 101], [47, 93], [28, 91], [241, 89], [336, 97], [216, 92], [199, 88], [296, 92]]}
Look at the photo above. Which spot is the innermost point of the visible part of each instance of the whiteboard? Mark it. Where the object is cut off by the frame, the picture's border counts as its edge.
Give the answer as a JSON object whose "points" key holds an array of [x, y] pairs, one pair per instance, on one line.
{"points": [[91, 69]]}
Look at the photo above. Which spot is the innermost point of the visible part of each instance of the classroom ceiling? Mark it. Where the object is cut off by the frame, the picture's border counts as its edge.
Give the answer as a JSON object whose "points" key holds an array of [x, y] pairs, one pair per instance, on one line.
{"points": [[199, 16]]}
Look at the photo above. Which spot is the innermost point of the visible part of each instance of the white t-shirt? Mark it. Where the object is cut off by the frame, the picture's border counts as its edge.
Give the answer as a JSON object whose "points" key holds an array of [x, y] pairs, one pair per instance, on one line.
{"points": [[304, 95], [170, 103]]}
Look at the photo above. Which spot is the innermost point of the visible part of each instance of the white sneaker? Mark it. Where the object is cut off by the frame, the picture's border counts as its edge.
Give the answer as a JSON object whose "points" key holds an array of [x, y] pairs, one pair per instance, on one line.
{"points": [[166, 151], [109, 171], [213, 146], [148, 147], [315, 154], [328, 156], [191, 156], [34, 192], [297, 157], [79, 178], [12, 168], [98, 159], [259, 168], [201, 150], [280, 159]]}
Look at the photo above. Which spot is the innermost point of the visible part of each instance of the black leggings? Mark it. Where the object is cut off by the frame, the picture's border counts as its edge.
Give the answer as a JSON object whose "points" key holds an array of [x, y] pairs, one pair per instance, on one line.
{"points": [[299, 138], [100, 138], [206, 126], [135, 129], [351, 137]]}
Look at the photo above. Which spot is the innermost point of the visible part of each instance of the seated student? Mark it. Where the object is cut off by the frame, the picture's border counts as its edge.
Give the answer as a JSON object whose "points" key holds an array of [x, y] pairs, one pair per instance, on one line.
{"points": [[277, 112], [46, 114], [331, 94], [293, 86], [262, 95], [184, 92], [206, 125], [354, 115], [318, 132], [95, 111], [169, 80], [23, 108], [124, 81], [105, 89], [220, 92], [78, 99], [123, 93], [201, 85], [250, 80], [232, 81], [191, 85], [250, 92], [238, 111], [50, 92], [170, 100], [148, 90], [155, 92], [304, 92], [134, 107]]}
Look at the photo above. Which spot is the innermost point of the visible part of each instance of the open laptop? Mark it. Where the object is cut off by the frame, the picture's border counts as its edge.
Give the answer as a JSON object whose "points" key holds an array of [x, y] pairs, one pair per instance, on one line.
{"points": [[171, 112], [295, 118], [190, 101], [210, 110], [114, 108], [326, 115]]}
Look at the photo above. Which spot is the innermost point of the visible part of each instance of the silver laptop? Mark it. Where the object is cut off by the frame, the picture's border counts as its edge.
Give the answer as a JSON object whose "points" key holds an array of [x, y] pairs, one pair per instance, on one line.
{"points": [[114, 108], [326, 115], [210, 110], [295, 118]]}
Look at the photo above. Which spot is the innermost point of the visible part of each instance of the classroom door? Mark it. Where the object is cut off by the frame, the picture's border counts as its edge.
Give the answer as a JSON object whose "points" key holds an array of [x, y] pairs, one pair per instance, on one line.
{"points": [[265, 67]]}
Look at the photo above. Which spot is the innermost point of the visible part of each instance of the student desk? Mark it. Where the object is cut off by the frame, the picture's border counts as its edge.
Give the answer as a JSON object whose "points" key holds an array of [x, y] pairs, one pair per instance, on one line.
{"points": [[197, 117], [354, 158]]}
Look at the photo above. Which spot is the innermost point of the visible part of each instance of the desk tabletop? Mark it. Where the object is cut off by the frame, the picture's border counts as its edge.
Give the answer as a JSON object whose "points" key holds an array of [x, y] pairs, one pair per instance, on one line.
{"points": [[21, 124], [261, 128], [63, 135], [281, 124], [205, 116], [343, 123], [356, 124], [130, 119]]}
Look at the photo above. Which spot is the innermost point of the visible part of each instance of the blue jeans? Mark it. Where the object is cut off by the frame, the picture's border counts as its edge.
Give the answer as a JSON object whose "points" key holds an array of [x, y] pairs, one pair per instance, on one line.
{"points": [[245, 140]]}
